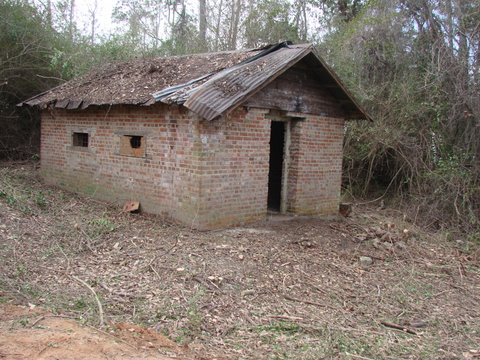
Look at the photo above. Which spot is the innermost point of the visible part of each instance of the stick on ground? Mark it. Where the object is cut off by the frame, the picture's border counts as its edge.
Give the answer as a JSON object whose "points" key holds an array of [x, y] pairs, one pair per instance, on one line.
{"points": [[287, 297], [398, 327], [99, 304]]}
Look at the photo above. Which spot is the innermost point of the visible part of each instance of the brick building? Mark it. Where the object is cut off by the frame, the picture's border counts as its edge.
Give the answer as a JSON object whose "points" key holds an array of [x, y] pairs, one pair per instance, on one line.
{"points": [[210, 140]]}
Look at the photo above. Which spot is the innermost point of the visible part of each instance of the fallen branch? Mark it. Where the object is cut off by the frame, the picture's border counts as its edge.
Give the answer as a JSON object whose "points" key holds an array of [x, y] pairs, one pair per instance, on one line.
{"points": [[336, 228], [99, 304], [151, 250], [114, 292], [308, 302], [357, 356], [50, 77], [210, 285], [285, 317], [398, 327], [89, 239], [155, 272], [43, 317], [66, 257]]}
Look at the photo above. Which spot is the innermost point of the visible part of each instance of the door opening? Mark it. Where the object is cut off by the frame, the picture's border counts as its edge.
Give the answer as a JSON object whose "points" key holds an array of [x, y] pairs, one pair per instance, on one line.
{"points": [[277, 144]]}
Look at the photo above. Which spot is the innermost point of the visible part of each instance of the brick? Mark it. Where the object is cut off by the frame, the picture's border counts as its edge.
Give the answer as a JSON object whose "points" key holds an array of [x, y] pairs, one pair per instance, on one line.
{"points": [[204, 174]]}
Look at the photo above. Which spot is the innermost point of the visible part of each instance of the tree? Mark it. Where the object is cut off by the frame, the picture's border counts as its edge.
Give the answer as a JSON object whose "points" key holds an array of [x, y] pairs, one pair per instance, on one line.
{"points": [[268, 22], [93, 21], [236, 12], [64, 22], [202, 25], [25, 69], [414, 65]]}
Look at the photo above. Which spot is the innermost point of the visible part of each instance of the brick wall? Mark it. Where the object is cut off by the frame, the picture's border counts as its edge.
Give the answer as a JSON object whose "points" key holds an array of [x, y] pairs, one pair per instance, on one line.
{"points": [[165, 180], [235, 155], [205, 174], [315, 165], [235, 161]]}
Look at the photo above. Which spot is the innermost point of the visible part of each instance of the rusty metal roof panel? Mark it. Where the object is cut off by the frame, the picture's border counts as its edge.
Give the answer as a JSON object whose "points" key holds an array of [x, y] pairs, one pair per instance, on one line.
{"points": [[210, 85], [229, 88], [135, 81]]}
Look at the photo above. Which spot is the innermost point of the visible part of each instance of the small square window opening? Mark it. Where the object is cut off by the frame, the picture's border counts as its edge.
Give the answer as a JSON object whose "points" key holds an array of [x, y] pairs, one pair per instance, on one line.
{"points": [[132, 145], [80, 139], [135, 142]]}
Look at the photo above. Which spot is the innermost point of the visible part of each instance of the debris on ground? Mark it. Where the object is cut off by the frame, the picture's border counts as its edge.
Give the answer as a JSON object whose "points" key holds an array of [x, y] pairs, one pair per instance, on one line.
{"points": [[291, 288], [365, 261]]}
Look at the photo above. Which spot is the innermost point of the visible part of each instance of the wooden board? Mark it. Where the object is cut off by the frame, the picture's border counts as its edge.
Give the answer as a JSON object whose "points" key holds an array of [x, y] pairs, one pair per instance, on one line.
{"points": [[299, 91]]}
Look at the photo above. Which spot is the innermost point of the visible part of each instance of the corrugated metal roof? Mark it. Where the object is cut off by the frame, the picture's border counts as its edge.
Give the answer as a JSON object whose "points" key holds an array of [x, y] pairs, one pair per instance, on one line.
{"points": [[135, 81], [231, 87], [210, 85]]}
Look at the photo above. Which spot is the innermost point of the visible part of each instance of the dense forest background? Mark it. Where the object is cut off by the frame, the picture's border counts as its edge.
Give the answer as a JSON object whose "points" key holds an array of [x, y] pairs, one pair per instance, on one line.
{"points": [[414, 64]]}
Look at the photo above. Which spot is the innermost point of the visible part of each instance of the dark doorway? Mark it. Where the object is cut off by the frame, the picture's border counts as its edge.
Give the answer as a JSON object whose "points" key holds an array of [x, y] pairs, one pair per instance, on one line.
{"points": [[277, 140]]}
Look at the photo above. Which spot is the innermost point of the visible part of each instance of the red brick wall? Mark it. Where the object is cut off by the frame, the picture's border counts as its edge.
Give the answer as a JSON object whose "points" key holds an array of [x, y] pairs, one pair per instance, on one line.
{"points": [[235, 155], [235, 160], [205, 174], [165, 181], [315, 165]]}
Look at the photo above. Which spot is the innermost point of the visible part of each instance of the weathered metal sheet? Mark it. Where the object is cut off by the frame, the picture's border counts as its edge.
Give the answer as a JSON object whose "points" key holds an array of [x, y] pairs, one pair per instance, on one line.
{"points": [[165, 93], [231, 87], [210, 85], [74, 104], [180, 93]]}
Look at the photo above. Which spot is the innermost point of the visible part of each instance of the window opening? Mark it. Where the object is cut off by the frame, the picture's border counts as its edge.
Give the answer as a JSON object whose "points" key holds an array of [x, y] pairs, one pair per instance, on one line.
{"points": [[132, 145], [80, 139], [135, 142]]}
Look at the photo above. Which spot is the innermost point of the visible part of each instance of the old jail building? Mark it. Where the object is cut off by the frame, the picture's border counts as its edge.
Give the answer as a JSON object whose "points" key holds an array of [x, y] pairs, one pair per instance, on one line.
{"points": [[210, 140]]}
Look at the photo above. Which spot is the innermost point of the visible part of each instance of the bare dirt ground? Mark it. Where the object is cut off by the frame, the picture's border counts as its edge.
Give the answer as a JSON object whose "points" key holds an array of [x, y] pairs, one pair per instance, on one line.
{"points": [[27, 332], [291, 289]]}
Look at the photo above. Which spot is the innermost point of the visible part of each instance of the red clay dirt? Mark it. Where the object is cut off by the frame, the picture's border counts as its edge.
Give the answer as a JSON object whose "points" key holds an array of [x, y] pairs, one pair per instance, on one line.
{"points": [[58, 337]]}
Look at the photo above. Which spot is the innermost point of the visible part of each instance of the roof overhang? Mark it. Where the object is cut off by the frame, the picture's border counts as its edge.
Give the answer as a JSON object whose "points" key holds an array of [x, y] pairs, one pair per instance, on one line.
{"points": [[216, 93], [226, 90]]}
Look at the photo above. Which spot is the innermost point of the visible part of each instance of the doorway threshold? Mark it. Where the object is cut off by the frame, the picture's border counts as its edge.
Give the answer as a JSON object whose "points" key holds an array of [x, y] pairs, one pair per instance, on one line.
{"points": [[273, 215]]}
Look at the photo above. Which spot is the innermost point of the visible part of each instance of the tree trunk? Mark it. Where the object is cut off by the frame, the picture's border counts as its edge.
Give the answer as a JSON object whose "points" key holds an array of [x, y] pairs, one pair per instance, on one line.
{"points": [[70, 19], [49, 14], [93, 14], [202, 26], [463, 50], [343, 9], [237, 7], [217, 29], [450, 29]]}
